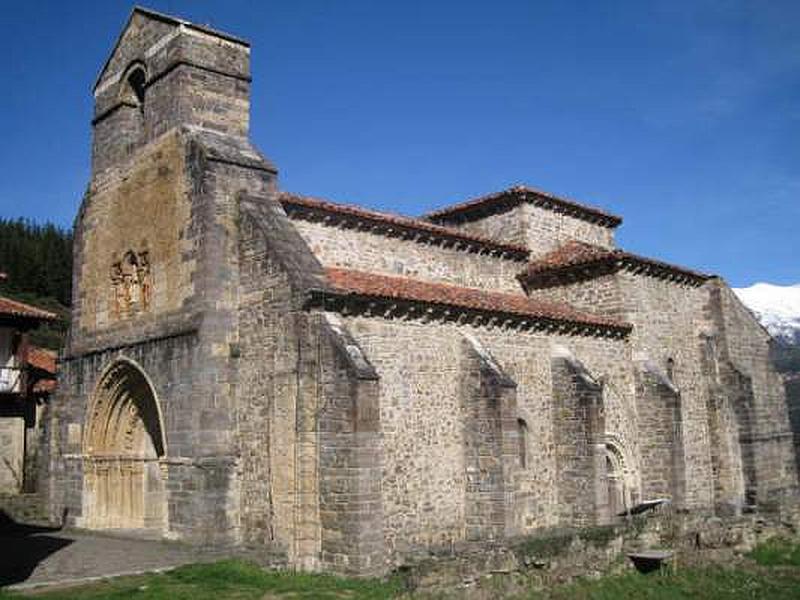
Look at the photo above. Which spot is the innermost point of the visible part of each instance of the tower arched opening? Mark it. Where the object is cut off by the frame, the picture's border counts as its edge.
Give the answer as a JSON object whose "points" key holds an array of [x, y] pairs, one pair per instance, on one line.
{"points": [[123, 447]]}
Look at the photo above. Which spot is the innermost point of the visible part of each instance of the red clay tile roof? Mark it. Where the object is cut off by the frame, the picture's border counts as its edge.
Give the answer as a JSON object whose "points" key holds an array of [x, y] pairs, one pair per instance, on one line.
{"points": [[43, 361], [12, 308], [499, 201], [360, 283], [565, 261], [573, 252], [397, 223]]}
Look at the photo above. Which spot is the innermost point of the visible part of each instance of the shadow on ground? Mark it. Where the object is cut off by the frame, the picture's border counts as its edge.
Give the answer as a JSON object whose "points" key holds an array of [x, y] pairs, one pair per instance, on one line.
{"points": [[23, 547]]}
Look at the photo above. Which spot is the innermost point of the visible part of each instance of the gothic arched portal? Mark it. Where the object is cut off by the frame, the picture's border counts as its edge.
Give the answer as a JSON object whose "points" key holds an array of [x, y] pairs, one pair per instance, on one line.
{"points": [[124, 440]]}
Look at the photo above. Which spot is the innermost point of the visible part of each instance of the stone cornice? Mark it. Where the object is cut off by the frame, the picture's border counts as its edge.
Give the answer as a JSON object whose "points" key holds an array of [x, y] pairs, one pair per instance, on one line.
{"points": [[578, 261], [499, 202], [372, 294]]}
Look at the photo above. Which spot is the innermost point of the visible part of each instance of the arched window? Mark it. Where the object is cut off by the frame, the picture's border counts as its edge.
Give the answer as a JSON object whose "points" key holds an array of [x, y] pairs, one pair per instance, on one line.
{"points": [[136, 81], [522, 443], [133, 85]]}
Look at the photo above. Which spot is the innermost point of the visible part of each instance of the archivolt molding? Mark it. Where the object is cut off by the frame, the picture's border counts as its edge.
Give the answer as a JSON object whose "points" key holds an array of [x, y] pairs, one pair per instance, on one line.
{"points": [[124, 447], [125, 415]]}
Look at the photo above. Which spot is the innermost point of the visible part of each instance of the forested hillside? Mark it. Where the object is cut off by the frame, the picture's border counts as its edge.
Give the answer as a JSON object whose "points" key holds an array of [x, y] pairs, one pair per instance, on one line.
{"points": [[787, 358], [38, 261]]}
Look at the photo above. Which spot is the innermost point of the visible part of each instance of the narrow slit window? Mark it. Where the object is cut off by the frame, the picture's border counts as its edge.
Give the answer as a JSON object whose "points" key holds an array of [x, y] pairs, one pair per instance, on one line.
{"points": [[522, 441], [671, 369]]}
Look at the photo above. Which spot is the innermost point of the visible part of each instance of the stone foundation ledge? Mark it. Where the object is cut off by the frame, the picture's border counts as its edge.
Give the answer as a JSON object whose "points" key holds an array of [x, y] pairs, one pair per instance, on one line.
{"points": [[562, 555]]}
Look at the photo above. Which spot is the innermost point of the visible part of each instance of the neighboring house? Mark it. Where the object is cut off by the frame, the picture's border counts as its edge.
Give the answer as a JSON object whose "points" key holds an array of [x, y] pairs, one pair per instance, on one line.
{"points": [[356, 388], [27, 380]]}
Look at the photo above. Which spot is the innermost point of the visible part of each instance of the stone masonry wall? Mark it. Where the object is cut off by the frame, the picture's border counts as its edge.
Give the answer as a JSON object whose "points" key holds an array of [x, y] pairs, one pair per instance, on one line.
{"points": [[599, 295], [660, 418], [747, 347], [209, 86], [263, 299], [366, 251], [722, 404], [350, 456], [493, 439], [579, 441], [170, 365], [547, 230], [148, 210], [540, 229], [668, 323], [279, 396], [281, 385], [510, 226], [422, 420], [119, 128]]}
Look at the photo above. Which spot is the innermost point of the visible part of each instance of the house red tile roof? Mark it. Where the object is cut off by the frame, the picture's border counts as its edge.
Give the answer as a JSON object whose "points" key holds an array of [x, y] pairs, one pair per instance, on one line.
{"points": [[42, 359], [12, 308], [44, 364], [392, 223], [499, 201], [360, 283], [576, 258]]}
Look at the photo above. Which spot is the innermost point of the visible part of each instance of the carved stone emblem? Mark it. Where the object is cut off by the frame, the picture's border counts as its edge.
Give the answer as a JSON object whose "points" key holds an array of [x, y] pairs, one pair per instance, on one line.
{"points": [[131, 284]]}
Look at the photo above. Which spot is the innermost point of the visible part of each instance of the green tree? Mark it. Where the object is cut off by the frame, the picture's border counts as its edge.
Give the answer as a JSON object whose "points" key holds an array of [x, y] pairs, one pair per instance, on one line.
{"points": [[38, 262]]}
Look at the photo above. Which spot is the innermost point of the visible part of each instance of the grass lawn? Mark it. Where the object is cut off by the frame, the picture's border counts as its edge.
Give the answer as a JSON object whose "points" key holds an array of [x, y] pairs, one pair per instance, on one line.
{"points": [[712, 583], [773, 572], [226, 580], [777, 552]]}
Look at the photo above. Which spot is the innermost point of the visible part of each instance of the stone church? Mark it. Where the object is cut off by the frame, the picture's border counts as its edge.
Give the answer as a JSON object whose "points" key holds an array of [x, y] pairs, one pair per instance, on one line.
{"points": [[249, 367]]}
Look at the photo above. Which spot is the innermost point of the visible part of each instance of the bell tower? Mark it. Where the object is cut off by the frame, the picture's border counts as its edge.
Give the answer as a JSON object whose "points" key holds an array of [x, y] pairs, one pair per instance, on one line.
{"points": [[155, 299], [165, 72]]}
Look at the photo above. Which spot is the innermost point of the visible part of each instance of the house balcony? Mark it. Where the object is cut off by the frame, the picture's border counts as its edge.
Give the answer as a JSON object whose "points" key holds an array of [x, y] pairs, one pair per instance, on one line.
{"points": [[11, 379]]}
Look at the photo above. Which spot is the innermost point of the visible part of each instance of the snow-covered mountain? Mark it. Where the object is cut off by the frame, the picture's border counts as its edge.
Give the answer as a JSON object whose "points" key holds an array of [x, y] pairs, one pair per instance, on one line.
{"points": [[776, 306]]}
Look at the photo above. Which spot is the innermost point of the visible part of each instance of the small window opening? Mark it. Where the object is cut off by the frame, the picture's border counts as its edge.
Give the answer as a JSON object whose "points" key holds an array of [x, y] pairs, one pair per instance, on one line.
{"points": [[136, 81], [671, 369], [522, 449]]}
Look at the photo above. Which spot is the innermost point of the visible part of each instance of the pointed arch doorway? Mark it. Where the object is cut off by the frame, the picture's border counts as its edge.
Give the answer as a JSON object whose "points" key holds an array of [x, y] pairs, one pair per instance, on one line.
{"points": [[123, 483]]}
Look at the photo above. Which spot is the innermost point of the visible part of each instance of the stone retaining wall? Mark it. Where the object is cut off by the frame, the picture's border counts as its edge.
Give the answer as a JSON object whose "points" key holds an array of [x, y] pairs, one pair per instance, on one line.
{"points": [[559, 556]]}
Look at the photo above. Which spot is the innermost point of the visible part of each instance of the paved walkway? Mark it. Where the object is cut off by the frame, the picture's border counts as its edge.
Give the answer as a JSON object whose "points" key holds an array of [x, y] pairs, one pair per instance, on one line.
{"points": [[31, 556]]}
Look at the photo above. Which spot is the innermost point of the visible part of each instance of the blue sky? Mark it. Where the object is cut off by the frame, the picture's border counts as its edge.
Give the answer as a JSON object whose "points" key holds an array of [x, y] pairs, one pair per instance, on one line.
{"points": [[683, 117]]}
